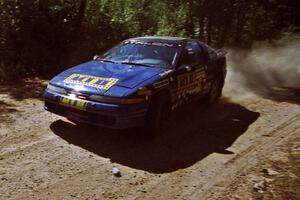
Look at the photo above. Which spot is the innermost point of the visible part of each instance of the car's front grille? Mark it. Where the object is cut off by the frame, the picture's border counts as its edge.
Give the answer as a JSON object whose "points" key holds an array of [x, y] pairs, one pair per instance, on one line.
{"points": [[82, 115]]}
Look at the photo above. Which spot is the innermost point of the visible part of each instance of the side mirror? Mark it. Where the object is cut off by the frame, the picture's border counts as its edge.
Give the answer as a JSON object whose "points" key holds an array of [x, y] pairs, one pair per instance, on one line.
{"points": [[186, 67], [95, 57]]}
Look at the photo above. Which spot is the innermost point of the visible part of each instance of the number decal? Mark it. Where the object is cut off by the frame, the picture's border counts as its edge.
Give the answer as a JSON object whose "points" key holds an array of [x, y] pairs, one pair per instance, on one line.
{"points": [[190, 83], [92, 81], [186, 81], [78, 104]]}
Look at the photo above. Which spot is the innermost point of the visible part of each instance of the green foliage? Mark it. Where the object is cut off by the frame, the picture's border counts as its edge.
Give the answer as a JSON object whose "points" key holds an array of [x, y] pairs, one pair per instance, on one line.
{"points": [[38, 36]]}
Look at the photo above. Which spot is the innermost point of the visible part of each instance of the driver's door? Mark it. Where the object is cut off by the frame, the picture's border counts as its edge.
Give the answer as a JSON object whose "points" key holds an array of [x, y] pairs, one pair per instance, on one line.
{"points": [[191, 73]]}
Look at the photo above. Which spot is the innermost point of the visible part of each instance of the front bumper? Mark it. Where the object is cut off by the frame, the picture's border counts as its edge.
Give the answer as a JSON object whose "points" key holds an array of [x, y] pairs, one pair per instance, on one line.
{"points": [[99, 114]]}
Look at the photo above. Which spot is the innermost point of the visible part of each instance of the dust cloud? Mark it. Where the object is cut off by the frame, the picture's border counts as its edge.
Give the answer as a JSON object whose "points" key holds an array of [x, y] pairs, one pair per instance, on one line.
{"points": [[267, 69]]}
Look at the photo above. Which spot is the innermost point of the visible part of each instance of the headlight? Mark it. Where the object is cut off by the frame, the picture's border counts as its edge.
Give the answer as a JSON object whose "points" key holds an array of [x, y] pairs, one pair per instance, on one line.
{"points": [[56, 89], [105, 99]]}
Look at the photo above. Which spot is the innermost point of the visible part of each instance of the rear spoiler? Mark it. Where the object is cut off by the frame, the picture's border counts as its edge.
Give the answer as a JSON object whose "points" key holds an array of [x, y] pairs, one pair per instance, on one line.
{"points": [[221, 52]]}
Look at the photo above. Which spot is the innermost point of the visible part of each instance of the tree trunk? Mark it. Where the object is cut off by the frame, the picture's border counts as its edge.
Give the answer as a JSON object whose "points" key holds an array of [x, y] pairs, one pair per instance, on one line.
{"points": [[201, 19], [227, 25], [81, 13], [209, 29], [190, 20], [241, 20]]}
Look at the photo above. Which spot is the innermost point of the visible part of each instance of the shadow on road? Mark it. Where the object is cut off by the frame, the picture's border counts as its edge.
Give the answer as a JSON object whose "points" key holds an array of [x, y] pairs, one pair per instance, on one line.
{"points": [[193, 133]]}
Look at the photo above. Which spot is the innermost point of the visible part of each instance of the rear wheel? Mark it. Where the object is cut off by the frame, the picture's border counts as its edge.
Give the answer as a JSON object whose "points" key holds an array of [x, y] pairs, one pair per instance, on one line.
{"points": [[215, 92]]}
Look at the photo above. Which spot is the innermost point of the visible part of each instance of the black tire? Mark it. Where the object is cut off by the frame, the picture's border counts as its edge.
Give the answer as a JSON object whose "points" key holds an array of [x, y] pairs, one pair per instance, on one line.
{"points": [[215, 91], [158, 114]]}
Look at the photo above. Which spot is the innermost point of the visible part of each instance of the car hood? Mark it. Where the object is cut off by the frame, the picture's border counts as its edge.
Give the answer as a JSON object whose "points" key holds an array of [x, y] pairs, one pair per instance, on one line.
{"points": [[110, 74]]}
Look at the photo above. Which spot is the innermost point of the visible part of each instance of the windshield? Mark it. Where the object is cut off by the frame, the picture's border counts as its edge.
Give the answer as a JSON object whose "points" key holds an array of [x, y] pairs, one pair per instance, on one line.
{"points": [[147, 54]]}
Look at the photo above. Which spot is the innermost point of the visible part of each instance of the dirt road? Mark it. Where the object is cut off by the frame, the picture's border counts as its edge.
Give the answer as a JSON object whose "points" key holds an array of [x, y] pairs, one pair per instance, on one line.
{"points": [[215, 153]]}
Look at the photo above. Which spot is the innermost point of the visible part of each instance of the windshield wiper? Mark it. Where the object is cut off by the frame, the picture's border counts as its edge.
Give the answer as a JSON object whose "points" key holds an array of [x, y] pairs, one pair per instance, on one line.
{"points": [[105, 60], [138, 64]]}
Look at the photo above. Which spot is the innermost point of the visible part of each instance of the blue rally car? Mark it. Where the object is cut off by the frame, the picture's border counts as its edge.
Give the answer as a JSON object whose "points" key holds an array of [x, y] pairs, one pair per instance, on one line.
{"points": [[138, 82]]}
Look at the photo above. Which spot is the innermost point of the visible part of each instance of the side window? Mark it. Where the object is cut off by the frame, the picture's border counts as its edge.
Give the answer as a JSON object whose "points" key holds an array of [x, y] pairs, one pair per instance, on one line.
{"points": [[193, 54], [212, 53]]}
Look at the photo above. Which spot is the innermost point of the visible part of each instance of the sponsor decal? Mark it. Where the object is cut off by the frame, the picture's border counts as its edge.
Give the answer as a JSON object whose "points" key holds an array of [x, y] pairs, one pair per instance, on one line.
{"points": [[151, 43], [200, 73], [190, 83], [73, 103], [162, 83], [186, 81], [100, 83]]}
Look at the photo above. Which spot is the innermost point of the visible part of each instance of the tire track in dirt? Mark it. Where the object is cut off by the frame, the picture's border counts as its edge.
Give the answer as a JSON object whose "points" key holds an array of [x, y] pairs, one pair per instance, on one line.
{"points": [[250, 157]]}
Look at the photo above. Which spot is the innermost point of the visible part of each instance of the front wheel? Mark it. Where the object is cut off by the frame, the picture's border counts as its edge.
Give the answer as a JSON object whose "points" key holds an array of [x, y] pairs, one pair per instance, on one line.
{"points": [[158, 113]]}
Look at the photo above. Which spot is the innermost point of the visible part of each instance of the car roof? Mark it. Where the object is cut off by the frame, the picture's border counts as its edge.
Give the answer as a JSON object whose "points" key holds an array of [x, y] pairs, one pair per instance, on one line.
{"points": [[158, 39]]}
